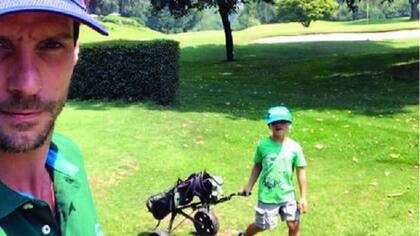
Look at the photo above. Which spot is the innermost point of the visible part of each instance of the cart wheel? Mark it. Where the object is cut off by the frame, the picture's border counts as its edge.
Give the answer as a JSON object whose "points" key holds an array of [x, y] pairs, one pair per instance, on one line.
{"points": [[206, 222], [159, 232]]}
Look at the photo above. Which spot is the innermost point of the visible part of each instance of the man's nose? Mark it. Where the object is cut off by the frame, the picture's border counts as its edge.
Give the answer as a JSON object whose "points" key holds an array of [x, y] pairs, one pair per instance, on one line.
{"points": [[25, 77]]}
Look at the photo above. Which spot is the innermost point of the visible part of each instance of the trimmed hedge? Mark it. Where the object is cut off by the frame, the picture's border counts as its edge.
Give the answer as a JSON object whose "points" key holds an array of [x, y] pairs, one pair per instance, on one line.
{"points": [[127, 70]]}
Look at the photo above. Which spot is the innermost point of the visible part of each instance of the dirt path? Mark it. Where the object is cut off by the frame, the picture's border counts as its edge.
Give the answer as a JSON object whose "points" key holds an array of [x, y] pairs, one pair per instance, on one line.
{"points": [[342, 37]]}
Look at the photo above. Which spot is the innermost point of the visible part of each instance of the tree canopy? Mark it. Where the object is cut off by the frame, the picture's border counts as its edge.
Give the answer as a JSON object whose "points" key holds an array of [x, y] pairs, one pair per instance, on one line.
{"points": [[306, 11], [180, 8]]}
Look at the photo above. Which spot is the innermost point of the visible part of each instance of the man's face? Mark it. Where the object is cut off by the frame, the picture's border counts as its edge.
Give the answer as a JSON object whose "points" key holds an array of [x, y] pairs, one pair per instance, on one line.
{"points": [[279, 128], [37, 57]]}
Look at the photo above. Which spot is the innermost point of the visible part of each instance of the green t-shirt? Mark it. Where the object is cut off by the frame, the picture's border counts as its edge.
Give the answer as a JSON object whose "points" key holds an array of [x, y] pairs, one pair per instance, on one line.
{"points": [[275, 184], [21, 214]]}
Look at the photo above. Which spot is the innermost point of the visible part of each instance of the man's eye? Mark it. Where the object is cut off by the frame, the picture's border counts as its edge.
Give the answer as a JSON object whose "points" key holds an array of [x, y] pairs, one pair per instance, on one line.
{"points": [[4, 45], [51, 45]]}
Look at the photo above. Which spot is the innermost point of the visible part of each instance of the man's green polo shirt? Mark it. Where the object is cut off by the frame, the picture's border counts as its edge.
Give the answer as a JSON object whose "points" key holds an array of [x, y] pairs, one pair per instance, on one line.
{"points": [[21, 214]]}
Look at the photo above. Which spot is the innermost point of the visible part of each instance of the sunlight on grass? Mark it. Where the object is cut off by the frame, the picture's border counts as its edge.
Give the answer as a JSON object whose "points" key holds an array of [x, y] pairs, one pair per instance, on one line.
{"points": [[356, 111], [245, 36]]}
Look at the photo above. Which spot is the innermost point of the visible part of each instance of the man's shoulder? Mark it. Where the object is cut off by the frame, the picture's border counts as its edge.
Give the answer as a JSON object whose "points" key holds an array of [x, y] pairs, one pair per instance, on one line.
{"points": [[62, 140], [66, 147]]}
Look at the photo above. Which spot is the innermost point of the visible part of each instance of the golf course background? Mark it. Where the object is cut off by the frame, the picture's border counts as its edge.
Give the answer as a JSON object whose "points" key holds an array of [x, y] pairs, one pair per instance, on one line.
{"points": [[355, 107]]}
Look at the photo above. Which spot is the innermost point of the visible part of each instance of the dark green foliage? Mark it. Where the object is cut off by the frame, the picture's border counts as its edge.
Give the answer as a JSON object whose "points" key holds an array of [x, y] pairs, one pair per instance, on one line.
{"points": [[102, 7], [138, 8], [162, 21], [246, 17], [252, 14], [127, 70], [135, 22], [266, 13], [178, 8], [397, 8], [414, 11], [305, 11], [210, 20], [373, 10]]}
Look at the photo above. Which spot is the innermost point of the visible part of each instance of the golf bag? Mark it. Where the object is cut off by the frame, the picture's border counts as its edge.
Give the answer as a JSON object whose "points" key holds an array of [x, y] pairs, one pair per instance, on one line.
{"points": [[201, 185]]}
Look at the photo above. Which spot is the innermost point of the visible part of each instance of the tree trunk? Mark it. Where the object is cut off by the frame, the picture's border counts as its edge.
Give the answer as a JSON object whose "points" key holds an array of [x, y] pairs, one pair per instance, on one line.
{"points": [[121, 5], [93, 6], [414, 13], [224, 14]]}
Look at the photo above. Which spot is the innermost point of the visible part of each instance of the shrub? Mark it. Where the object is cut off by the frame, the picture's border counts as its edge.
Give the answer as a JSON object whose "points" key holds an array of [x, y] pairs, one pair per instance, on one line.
{"points": [[127, 70], [126, 21]]}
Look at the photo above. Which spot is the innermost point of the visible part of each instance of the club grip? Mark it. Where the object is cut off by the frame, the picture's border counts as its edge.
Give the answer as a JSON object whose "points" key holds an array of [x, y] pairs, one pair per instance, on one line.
{"points": [[243, 194]]}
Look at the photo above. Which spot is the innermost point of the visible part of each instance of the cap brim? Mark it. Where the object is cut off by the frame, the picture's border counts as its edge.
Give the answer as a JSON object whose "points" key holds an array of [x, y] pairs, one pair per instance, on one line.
{"points": [[58, 7], [277, 118]]}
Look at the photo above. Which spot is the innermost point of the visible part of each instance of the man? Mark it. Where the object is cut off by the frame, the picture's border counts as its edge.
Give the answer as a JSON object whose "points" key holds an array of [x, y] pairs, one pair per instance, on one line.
{"points": [[276, 158], [43, 184]]}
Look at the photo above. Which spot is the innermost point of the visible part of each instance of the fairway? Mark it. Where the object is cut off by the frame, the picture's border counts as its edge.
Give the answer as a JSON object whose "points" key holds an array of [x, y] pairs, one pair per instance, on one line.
{"points": [[355, 106]]}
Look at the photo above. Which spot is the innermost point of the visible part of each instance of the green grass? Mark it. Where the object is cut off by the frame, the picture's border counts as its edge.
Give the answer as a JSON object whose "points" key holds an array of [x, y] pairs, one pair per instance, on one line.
{"points": [[360, 100], [248, 35]]}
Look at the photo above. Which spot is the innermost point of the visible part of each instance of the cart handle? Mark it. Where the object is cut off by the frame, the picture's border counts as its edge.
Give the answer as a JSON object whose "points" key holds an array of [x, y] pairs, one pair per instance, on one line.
{"points": [[227, 198]]}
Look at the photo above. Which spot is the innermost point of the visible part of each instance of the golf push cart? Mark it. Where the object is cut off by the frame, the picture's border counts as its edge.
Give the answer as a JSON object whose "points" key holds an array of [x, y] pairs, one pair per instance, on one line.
{"points": [[180, 197]]}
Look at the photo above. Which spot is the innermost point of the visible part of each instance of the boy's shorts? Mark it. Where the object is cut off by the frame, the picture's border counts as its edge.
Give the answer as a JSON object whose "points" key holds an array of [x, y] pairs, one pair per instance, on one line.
{"points": [[266, 215]]}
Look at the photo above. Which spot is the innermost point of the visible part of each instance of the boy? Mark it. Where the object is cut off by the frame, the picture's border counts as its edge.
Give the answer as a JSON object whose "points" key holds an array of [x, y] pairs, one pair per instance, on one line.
{"points": [[275, 159]]}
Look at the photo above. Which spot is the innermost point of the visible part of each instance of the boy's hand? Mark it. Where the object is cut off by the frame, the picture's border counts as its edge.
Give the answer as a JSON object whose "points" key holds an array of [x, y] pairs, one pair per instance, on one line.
{"points": [[246, 191], [303, 205]]}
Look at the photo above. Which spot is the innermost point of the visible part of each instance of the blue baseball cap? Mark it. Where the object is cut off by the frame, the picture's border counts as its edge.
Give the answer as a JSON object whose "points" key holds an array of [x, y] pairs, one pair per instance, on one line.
{"points": [[278, 113], [75, 9]]}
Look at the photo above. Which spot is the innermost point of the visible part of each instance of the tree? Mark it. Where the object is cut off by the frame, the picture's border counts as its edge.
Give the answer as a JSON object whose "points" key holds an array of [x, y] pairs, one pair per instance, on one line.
{"points": [[397, 8], [125, 7], [102, 7], [93, 6], [121, 6], [305, 11], [378, 9], [245, 17], [266, 13], [164, 22], [414, 13], [180, 8]]}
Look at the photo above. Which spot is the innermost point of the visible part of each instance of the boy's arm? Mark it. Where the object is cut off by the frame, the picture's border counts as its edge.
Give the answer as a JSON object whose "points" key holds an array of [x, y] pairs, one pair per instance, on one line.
{"points": [[256, 170], [301, 178]]}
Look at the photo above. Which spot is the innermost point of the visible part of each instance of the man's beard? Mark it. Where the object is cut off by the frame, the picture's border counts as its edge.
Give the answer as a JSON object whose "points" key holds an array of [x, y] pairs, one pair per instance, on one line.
{"points": [[11, 144]]}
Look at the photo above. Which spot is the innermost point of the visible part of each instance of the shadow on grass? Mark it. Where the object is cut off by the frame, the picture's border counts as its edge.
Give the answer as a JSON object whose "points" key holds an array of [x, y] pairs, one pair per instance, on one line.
{"points": [[143, 234], [369, 78], [147, 233]]}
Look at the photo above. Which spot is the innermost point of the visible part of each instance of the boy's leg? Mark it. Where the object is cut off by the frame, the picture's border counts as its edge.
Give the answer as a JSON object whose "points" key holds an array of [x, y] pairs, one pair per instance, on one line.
{"points": [[252, 229], [289, 212], [266, 216], [293, 228]]}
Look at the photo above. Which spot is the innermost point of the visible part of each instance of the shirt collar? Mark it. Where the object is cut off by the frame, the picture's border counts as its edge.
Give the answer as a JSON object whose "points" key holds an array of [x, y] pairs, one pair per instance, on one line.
{"points": [[55, 162], [10, 200], [58, 163]]}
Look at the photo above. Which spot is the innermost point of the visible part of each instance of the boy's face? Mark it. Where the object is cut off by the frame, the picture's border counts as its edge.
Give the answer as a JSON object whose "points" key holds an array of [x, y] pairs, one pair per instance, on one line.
{"points": [[279, 128], [37, 57]]}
